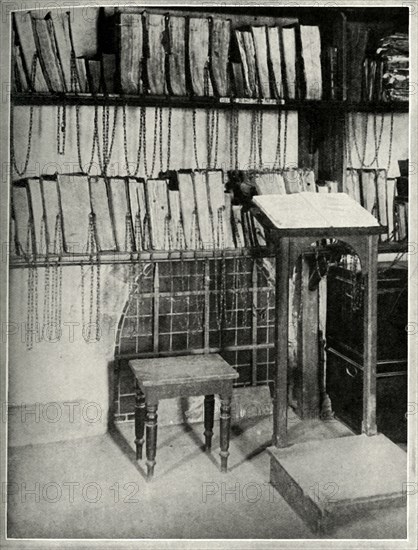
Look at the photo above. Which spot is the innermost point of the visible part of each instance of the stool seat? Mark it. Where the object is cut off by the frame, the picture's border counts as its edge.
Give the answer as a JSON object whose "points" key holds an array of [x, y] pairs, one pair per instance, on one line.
{"points": [[182, 369], [181, 376]]}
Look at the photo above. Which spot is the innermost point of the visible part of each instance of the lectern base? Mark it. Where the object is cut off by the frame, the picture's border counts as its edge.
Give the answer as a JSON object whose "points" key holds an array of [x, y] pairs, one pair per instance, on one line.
{"points": [[333, 480]]}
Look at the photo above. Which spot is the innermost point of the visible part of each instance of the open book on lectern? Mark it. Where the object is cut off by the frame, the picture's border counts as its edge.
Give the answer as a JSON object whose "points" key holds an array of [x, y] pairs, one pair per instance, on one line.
{"points": [[314, 211]]}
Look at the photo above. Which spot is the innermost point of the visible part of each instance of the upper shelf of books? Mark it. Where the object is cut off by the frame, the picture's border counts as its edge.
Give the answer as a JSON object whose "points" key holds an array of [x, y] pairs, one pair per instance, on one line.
{"points": [[325, 58]]}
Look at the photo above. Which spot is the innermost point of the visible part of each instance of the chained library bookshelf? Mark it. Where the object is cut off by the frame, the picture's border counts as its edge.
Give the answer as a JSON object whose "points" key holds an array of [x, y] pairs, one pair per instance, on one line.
{"points": [[321, 115]]}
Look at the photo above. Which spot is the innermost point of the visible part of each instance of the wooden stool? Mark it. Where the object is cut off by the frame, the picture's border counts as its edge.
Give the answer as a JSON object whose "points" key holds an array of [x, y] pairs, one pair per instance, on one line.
{"points": [[181, 376]]}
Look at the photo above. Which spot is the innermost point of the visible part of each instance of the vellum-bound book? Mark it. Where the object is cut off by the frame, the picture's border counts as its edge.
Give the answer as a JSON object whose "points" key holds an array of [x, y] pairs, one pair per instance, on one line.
{"points": [[368, 190], [188, 208], [311, 54], [260, 46], [177, 55], [222, 233], [177, 241], [199, 56], [219, 55], [269, 183], [120, 211], [130, 52], [382, 203], [274, 54], [75, 205], [37, 208], [156, 191], [21, 211], [204, 209], [314, 210], [156, 60], [52, 211], [138, 206], [105, 235]]}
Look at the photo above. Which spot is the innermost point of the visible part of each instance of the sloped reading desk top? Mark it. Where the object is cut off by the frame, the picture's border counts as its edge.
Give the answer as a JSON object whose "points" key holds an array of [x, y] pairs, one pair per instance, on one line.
{"points": [[304, 214]]}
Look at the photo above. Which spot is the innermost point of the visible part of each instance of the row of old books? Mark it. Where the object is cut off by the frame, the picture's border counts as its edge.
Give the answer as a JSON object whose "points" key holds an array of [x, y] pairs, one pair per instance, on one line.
{"points": [[377, 193], [78, 214], [55, 52], [170, 54], [376, 71]]}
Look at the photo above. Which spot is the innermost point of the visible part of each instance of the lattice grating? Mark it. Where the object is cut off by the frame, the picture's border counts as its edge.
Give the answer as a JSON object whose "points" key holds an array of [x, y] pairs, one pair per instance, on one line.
{"points": [[209, 305]]}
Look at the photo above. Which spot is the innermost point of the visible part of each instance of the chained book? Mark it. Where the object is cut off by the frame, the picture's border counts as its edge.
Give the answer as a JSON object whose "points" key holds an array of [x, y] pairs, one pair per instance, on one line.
{"points": [[314, 210]]}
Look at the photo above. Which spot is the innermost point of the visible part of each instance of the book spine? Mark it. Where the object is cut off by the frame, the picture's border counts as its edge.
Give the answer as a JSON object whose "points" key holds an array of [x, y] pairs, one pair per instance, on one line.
{"points": [[130, 53]]}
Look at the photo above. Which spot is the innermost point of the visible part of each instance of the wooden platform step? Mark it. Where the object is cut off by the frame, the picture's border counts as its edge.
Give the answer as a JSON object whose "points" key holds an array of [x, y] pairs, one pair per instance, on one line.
{"points": [[333, 480]]}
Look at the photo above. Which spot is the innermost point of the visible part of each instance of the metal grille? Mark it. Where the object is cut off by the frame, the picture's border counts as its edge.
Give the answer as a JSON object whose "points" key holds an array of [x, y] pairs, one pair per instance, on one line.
{"points": [[201, 305]]}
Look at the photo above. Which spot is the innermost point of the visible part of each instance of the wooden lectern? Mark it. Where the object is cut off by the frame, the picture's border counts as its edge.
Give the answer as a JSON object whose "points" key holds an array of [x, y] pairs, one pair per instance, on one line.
{"points": [[293, 223]]}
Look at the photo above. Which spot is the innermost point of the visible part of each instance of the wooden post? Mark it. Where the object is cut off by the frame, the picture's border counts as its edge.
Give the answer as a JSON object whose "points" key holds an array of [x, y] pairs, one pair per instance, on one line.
{"points": [[370, 335], [307, 350], [281, 343]]}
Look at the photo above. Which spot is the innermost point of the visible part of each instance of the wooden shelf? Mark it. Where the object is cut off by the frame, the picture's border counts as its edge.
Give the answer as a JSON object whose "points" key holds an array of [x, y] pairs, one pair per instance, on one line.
{"points": [[22, 99], [117, 258], [390, 246], [120, 258]]}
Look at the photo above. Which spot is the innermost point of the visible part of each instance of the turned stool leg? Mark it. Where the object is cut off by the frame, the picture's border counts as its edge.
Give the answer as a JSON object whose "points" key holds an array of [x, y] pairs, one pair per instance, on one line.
{"points": [[151, 442], [139, 422], [225, 421], [209, 415]]}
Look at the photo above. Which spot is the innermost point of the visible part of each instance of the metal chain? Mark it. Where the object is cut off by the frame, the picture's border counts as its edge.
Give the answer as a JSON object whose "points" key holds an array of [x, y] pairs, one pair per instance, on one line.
{"points": [[168, 240], [56, 301], [83, 317], [108, 148], [61, 128], [125, 144], [29, 142], [260, 138], [231, 138], [144, 141], [251, 159], [29, 317], [286, 115], [362, 156], [212, 136], [390, 141], [95, 139], [220, 243], [169, 139], [277, 160], [196, 157], [28, 146], [160, 126], [347, 140], [138, 233], [236, 139], [98, 300], [378, 141]]}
